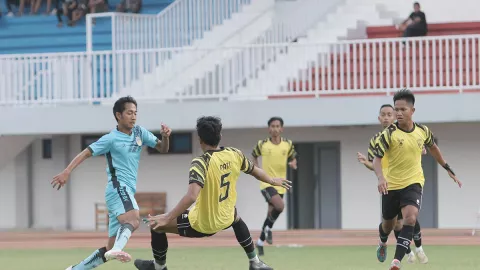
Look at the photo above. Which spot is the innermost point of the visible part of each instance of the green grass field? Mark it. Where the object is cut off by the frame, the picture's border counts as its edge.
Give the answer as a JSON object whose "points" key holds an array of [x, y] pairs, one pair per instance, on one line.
{"points": [[283, 258]]}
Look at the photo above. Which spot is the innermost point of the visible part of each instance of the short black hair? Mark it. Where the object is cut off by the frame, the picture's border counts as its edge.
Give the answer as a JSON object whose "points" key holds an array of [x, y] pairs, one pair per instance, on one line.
{"points": [[209, 130], [275, 118], [119, 105], [385, 106], [404, 94], [416, 4]]}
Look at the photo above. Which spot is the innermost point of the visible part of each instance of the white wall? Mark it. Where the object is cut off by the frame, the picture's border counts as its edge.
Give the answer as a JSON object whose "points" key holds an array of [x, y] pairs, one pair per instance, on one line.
{"points": [[457, 207]]}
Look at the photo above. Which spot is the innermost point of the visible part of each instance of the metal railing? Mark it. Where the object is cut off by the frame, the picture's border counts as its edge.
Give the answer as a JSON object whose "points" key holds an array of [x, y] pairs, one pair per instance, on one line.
{"points": [[347, 67], [178, 25]]}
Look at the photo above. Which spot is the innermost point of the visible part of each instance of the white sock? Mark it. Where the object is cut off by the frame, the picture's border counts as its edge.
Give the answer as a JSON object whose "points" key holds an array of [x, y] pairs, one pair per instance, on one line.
{"points": [[420, 248], [158, 266], [255, 259], [260, 242]]}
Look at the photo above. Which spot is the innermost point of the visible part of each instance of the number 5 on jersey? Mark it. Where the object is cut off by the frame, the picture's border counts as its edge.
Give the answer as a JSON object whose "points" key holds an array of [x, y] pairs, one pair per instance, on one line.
{"points": [[224, 183]]}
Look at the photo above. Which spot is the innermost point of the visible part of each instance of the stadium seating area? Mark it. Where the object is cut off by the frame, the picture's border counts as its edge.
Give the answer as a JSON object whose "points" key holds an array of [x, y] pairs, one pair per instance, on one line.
{"points": [[434, 62], [39, 34]]}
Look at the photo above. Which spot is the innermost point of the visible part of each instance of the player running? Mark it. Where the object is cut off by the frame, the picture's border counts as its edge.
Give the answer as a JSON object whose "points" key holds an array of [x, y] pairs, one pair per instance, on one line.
{"points": [[212, 185], [275, 151], [122, 148], [401, 185], [386, 117]]}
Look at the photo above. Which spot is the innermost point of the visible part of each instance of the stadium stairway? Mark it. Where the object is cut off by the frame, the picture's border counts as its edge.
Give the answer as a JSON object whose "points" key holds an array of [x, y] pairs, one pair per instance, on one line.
{"points": [[356, 16], [182, 66]]}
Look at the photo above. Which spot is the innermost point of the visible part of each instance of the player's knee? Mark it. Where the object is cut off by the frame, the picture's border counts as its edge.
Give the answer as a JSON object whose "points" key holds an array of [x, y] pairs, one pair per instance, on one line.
{"points": [[388, 225], [410, 219], [132, 224], [398, 226]]}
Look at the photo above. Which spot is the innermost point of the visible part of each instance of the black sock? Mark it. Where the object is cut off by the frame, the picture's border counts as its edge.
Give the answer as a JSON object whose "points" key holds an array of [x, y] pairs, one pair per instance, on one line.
{"points": [[244, 238], [269, 221], [397, 233], [382, 234], [159, 247], [403, 241], [417, 235]]}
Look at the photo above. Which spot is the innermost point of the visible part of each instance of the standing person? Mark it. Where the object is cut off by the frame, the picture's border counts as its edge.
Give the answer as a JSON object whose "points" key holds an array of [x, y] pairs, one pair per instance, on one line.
{"points": [[212, 185], [275, 151], [122, 148], [386, 118], [401, 185]]}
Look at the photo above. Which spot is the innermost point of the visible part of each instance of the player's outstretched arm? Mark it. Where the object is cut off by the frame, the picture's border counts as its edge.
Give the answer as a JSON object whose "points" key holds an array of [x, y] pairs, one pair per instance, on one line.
{"points": [[61, 179], [435, 152], [261, 175], [187, 201], [363, 159]]}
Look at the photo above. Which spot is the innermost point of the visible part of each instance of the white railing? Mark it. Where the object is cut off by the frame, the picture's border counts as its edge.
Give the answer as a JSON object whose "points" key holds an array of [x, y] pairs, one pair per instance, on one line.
{"points": [[178, 25], [347, 67]]}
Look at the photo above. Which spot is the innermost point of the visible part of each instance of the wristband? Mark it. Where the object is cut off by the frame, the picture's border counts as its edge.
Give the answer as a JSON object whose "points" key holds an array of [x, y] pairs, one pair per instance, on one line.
{"points": [[447, 167]]}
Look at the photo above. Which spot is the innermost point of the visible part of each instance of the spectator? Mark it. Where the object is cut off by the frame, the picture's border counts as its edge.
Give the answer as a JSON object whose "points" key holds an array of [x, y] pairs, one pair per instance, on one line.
{"points": [[97, 6], [416, 24], [9, 4], [73, 9], [133, 6]]}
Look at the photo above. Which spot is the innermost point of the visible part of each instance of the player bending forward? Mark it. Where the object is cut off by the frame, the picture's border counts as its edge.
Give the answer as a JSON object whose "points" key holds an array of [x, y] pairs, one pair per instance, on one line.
{"points": [[401, 185], [212, 185], [275, 152], [386, 118], [122, 148]]}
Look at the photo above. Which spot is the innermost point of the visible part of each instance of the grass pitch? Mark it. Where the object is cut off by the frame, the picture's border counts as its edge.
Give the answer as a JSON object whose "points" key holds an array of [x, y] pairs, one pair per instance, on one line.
{"points": [[282, 258]]}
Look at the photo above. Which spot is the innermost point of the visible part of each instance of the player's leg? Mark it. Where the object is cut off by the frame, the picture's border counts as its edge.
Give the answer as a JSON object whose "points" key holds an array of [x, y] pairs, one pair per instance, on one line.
{"points": [[390, 210], [159, 243], [275, 208], [417, 238], [95, 259], [261, 239], [410, 201], [122, 204], [245, 240], [398, 228]]}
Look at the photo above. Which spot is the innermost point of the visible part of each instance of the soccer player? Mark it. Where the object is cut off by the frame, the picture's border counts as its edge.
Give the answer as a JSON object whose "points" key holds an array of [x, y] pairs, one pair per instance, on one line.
{"points": [[275, 151], [386, 117], [212, 185], [122, 148], [402, 183]]}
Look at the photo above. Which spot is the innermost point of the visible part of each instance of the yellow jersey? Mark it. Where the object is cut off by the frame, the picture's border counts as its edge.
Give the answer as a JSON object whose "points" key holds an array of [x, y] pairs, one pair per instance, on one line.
{"points": [[404, 150], [217, 172], [371, 153], [274, 159]]}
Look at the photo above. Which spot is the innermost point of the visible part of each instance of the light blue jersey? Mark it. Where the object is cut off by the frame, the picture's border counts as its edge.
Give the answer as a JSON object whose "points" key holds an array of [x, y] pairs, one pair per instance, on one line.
{"points": [[123, 155]]}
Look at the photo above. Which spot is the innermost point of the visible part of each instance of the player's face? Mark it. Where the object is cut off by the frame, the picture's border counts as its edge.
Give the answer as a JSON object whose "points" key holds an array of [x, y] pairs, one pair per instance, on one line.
{"points": [[404, 111], [129, 116], [386, 116], [416, 8], [275, 128]]}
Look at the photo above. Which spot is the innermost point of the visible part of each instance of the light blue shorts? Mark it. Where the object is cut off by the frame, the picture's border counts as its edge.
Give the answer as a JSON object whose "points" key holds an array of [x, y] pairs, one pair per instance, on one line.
{"points": [[119, 201]]}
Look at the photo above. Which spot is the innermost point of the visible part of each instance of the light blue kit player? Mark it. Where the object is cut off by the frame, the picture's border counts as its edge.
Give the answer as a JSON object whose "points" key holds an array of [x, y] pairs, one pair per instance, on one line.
{"points": [[122, 148]]}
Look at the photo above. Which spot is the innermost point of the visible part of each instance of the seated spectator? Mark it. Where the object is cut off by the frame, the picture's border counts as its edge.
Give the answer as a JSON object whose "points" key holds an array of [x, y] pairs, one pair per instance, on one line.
{"points": [[416, 24], [133, 6], [73, 9], [97, 6]]}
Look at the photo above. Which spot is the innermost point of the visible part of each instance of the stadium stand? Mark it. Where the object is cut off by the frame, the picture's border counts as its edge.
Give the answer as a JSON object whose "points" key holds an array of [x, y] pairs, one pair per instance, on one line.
{"points": [[38, 33]]}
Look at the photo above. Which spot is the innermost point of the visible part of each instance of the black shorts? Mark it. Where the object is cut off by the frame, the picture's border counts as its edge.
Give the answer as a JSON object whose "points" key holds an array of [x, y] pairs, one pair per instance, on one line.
{"points": [[269, 192], [395, 200], [186, 230]]}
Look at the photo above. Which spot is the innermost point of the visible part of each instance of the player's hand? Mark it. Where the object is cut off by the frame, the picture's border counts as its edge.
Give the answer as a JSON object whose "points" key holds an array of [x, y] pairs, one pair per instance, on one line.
{"points": [[455, 179], [60, 180], [424, 151], [280, 182], [165, 131], [382, 186], [293, 164], [158, 221], [361, 158]]}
